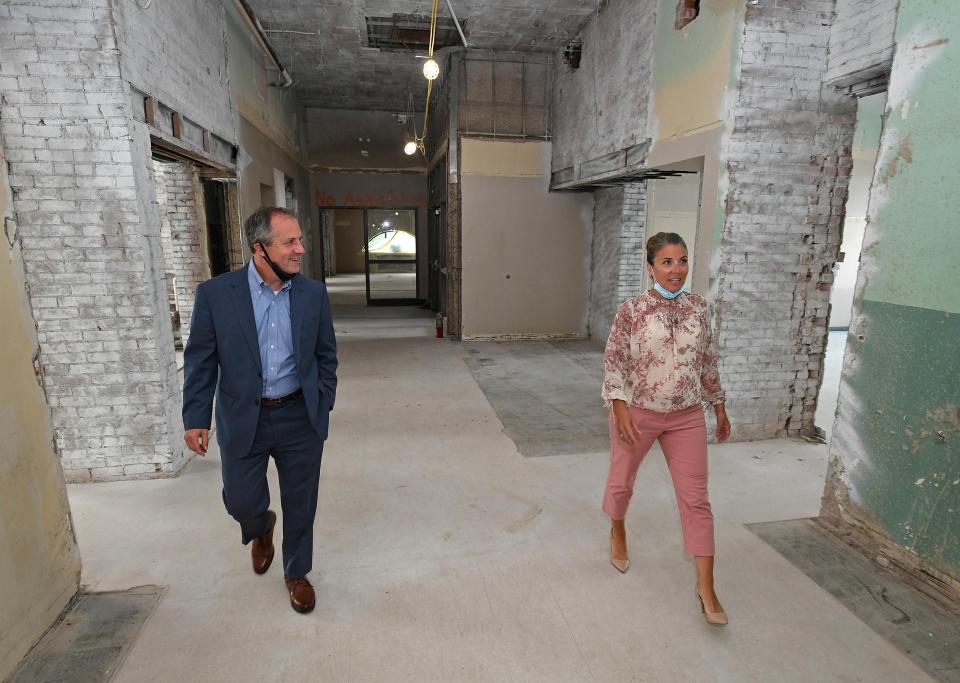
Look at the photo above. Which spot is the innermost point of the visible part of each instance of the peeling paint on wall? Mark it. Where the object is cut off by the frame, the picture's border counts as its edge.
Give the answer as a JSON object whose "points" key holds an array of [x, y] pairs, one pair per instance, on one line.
{"points": [[895, 462], [693, 69]]}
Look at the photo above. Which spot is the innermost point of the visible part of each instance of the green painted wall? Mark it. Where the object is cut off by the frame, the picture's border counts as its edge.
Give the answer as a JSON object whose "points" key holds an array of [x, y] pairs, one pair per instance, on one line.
{"points": [[895, 457]]}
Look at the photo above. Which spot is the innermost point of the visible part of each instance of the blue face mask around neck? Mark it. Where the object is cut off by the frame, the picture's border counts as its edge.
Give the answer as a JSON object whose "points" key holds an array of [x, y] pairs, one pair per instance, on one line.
{"points": [[667, 294]]}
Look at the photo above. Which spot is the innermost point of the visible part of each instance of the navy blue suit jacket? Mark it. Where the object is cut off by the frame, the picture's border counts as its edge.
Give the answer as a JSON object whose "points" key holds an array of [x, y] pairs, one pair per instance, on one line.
{"points": [[223, 356]]}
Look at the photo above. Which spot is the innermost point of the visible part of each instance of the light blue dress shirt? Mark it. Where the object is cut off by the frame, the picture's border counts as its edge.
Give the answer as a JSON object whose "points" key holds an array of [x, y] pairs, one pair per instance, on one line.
{"points": [[271, 311]]}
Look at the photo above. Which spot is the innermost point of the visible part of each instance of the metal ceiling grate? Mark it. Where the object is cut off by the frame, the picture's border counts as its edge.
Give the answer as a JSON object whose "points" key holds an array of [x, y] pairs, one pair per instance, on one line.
{"points": [[410, 32]]}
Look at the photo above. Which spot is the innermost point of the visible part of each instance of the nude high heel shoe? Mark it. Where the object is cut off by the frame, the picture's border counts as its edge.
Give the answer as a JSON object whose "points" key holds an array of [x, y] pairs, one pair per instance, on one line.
{"points": [[621, 565], [713, 618]]}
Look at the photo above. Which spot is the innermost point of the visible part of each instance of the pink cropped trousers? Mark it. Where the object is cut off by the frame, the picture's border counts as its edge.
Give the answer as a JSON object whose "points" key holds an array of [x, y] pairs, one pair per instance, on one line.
{"points": [[683, 438]]}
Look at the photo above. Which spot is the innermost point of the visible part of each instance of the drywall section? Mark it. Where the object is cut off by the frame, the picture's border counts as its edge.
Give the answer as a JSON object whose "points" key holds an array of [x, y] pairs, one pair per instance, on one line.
{"points": [[376, 191], [895, 461], [525, 251], [39, 561]]}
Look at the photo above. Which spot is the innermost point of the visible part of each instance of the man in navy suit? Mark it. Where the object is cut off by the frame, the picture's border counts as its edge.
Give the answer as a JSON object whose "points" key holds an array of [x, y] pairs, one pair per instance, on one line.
{"points": [[262, 340]]}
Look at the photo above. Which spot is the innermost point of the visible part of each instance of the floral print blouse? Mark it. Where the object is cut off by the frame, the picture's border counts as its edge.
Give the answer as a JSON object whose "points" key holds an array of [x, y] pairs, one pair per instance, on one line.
{"points": [[661, 355]]}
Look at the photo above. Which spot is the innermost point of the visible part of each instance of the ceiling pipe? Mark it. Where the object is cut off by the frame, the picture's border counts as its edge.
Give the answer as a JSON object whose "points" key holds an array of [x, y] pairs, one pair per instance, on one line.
{"points": [[457, 24], [254, 25]]}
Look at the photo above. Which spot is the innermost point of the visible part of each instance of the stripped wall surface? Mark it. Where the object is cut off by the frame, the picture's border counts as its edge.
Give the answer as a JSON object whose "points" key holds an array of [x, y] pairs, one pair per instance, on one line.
{"points": [[605, 252], [181, 206], [861, 40], [895, 461], [738, 96], [696, 80], [74, 125], [79, 175], [788, 166], [177, 53], [601, 107]]}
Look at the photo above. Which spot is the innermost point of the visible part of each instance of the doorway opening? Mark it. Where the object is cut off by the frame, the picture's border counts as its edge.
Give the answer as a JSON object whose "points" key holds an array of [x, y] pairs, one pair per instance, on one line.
{"points": [[370, 255], [866, 145], [391, 256], [673, 205], [218, 226], [199, 230]]}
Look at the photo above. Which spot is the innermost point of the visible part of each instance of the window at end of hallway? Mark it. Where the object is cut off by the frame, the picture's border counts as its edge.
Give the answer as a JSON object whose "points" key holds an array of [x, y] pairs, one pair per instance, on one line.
{"points": [[687, 11]]}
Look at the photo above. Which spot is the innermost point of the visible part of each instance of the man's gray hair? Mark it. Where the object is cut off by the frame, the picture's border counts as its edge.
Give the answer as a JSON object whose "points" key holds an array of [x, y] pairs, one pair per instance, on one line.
{"points": [[258, 228]]}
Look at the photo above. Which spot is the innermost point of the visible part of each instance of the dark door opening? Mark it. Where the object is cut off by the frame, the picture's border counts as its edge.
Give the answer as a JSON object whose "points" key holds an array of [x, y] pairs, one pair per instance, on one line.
{"points": [[218, 226]]}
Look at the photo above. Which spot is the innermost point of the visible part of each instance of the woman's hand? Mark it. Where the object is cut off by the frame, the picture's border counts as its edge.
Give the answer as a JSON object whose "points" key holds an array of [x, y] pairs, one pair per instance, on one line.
{"points": [[723, 423], [626, 429]]}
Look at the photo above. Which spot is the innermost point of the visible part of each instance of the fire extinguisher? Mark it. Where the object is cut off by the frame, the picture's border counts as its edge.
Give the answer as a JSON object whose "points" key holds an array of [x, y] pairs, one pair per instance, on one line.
{"points": [[439, 326]]}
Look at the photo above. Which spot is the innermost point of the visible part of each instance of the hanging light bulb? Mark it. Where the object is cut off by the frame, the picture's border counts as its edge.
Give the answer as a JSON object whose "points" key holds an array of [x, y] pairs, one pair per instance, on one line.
{"points": [[431, 69], [410, 148]]}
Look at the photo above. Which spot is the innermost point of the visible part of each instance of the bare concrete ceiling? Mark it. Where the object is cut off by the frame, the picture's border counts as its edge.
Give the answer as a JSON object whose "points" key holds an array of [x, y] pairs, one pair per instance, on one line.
{"points": [[323, 43]]}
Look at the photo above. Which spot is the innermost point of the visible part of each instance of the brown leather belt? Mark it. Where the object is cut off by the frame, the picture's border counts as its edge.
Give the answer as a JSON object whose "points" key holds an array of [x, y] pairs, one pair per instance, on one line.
{"points": [[280, 400]]}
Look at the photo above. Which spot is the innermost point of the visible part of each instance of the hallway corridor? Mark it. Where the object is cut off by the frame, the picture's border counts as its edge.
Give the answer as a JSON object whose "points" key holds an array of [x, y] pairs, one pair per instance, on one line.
{"points": [[443, 554]]}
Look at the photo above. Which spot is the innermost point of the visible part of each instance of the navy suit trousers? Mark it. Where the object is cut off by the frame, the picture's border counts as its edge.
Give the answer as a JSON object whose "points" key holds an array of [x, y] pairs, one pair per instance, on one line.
{"points": [[284, 432]]}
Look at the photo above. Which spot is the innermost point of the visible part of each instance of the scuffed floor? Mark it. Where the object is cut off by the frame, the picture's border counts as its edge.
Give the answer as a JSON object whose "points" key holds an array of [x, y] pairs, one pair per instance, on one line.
{"points": [[919, 626], [91, 639], [443, 554]]}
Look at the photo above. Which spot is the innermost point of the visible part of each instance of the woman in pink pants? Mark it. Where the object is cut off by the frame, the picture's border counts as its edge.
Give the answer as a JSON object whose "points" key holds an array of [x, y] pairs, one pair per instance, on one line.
{"points": [[660, 368]]}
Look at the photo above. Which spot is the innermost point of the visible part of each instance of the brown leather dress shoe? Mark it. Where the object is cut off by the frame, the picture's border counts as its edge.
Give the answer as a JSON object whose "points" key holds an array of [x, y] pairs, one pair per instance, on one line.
{"points": [[302, 597], [261, 548]]}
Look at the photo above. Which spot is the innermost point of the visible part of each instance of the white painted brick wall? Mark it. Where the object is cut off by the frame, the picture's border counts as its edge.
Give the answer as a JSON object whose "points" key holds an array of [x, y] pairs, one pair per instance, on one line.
{"points": [[160, 187], [788, 161], [618, 256], [602, 106], [861, 37], [175, 50], [63, 108], [604, 260], [181, 211], [633, 239]]}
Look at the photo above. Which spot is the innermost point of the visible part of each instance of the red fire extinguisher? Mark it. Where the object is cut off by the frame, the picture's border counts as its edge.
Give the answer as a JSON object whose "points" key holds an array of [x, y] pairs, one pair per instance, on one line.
{"points": [[439, 326]]}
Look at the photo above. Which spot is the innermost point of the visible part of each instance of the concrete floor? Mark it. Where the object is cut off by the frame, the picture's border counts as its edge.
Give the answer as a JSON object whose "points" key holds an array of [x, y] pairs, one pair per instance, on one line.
{"points": [[443, 554]]}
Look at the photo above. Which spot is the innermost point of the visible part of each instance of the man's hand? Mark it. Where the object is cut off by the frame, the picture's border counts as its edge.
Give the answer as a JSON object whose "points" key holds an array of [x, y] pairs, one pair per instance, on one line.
{"points": [[197, 440]]}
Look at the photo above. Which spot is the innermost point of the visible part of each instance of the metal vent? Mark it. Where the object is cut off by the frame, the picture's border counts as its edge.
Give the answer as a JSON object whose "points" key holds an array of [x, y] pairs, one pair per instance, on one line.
{"points": [[410, 32]]}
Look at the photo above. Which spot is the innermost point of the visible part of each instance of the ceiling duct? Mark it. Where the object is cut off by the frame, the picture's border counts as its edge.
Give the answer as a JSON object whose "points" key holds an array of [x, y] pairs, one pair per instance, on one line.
{"points": [[410, 32]]}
